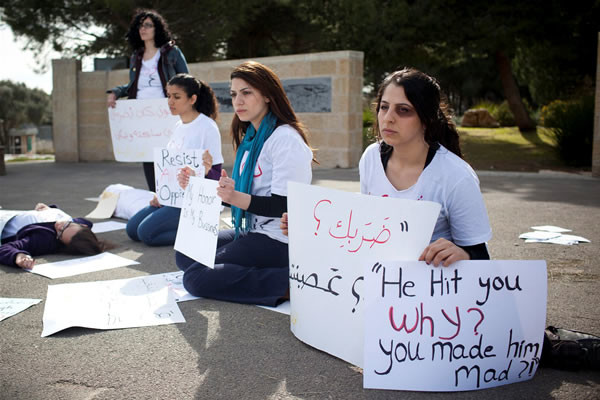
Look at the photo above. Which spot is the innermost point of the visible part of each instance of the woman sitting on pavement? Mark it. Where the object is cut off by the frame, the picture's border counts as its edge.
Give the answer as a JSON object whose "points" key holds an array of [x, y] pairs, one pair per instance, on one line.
{"points": [[46, 230], [196, 104]]}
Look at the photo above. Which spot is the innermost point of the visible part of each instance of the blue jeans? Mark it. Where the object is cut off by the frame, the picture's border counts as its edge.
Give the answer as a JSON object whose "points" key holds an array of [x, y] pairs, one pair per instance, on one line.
{"points": [[252, 269], [154, 226]]}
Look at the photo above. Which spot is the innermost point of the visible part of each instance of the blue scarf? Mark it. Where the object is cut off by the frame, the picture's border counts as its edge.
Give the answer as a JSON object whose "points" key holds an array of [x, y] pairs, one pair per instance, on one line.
{"points": [[252, 143]]}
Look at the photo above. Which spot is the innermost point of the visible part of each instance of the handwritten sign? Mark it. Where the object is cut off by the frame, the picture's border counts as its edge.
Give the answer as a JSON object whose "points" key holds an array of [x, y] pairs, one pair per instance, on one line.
{"points": [[198, 228], [138, 126], [167, 164], [117, 304], [105, 207], [10, 307], [332, 235], [473, 325]]}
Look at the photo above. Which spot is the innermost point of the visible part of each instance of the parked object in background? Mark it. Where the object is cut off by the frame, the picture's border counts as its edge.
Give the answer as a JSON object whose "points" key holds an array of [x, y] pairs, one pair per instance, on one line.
{"points": [[479, 117]]}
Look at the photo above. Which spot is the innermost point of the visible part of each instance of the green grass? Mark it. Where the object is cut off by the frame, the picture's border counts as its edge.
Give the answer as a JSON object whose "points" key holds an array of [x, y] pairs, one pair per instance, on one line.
{"points": [[507, 149], [26, 158]]}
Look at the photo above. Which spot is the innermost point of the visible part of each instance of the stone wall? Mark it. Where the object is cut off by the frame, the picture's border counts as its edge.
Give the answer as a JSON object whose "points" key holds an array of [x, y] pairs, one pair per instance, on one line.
{"points": [[596, 140], [324, 88]]}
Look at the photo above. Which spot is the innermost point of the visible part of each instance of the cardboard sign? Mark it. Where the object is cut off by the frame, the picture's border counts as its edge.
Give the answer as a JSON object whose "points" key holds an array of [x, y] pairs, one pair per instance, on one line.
{"points": [[332, 236], [138, 126], [167, 164], [198, 228], [473, 325]]}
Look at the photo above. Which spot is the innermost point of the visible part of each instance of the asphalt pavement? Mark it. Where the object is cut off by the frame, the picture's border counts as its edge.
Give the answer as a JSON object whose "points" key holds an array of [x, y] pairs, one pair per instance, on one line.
{"points": [[233, 351]]}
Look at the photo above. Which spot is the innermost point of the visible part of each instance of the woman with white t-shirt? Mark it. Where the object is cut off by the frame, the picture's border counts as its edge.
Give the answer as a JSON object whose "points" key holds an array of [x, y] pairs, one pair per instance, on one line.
{"points": [[251, 264], [195, 103], [417, 156], [154, 61]]}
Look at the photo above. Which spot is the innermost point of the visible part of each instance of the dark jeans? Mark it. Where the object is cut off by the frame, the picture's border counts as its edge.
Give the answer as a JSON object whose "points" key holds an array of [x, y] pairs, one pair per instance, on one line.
{"points": [[154, 226], [252, 269]]}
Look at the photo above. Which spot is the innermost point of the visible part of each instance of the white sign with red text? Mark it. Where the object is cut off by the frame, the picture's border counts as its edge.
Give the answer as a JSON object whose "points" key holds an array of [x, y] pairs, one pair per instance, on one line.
{"points": [[138, 126], [332, 236]]}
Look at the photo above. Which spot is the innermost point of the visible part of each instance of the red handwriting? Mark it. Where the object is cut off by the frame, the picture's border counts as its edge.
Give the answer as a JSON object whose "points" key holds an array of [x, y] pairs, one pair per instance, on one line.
{"points": [[145, 112], [315, 214]]}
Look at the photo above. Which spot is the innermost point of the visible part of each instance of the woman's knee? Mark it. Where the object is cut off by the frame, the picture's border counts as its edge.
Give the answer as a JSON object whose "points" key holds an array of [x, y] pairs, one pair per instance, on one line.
{"points": [[197, 280], [182, 261]]}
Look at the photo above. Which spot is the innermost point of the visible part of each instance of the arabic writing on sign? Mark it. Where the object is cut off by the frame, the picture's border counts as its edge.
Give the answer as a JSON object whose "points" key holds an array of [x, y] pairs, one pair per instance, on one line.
{"points": [[130, 136], [351, 235], [131, 113]]}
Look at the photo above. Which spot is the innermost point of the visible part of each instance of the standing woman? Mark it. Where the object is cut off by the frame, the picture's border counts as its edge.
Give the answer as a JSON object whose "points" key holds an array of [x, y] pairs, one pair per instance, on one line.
{"points": [[195, 102], [417, 156], [251, 264], [154, 61]]}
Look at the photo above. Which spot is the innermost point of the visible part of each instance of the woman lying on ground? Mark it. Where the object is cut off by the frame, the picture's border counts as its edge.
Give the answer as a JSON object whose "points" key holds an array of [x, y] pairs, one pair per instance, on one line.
{"points": [[46, 230], [195, 102], [417, 156], [251, 264]]}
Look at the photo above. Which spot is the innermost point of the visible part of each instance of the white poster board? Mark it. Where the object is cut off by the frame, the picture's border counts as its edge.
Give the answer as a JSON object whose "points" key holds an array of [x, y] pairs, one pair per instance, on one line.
{"points": [[10, 306], [473, 325], [167, 164], [82, 265], [117, 304], [332, 236], [138, 126], [198, 228]]}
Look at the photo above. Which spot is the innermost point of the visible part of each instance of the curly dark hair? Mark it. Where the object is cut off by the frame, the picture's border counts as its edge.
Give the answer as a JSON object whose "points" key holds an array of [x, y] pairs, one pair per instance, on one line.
{"points": [[424, 93], [162, 35], [206, 102]]}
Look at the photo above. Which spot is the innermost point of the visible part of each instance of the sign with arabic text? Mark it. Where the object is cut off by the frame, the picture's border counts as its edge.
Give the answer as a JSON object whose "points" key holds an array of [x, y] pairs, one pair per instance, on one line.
{"points": [[138, 126], [332, 236]]}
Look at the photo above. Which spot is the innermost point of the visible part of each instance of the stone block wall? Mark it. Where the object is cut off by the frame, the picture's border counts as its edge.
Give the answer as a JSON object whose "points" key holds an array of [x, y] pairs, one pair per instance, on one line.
{"points": [[596, 140], [333, 117]]}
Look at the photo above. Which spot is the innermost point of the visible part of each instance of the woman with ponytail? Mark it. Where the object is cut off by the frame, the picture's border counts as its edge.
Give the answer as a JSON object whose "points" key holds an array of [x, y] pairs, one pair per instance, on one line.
{"points": [[196, 105], [417, 156], [251, 264]]}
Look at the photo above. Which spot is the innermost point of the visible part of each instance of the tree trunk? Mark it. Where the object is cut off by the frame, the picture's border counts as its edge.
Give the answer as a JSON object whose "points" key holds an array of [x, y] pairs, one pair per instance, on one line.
{"points": [[511, 92]]}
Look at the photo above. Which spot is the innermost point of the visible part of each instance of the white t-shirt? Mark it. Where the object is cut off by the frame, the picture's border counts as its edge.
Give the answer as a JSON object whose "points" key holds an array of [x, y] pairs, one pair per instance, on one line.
{"points": [[447, 180], [33, 217], [149, 85], [202, 133], [284, 157]]}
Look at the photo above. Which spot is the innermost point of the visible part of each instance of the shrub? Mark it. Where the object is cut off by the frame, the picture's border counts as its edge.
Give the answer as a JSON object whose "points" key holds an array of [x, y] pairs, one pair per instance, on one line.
{"points": [[501, 112], [572, 122]]}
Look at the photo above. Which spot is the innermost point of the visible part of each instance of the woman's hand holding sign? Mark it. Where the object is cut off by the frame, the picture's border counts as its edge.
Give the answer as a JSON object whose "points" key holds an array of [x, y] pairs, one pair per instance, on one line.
{"points": [[227, 193]]}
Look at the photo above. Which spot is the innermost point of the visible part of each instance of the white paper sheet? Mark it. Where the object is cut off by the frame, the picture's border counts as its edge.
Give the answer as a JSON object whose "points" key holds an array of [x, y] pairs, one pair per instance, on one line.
{"points": [[105, 207], [117, 304], [283, 308], [540, 235], [99, 262], [12, 306], [108, 226], [473, 325], [550, 228]]}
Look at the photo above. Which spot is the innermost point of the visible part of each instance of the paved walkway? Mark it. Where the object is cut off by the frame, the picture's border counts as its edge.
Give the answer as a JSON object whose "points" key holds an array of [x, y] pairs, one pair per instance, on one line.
{"points": [[232, 351]]}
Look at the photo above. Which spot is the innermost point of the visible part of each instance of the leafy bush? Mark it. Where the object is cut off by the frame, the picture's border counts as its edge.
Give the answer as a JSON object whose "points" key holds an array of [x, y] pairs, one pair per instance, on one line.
{"points": [[572, 122], [501, 112]]}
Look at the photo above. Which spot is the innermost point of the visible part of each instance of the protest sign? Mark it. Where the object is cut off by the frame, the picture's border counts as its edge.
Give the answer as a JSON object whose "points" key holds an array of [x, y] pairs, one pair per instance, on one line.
{"points": [[106, 206], [81, 265], [332, 235], [117, 304], [473, 325], [198, 228], [138, 126], [167, 163]]}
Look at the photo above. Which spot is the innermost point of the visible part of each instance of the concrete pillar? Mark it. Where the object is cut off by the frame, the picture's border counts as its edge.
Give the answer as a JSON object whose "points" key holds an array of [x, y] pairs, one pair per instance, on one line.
{"points": [[596, 140], [65, 74]]}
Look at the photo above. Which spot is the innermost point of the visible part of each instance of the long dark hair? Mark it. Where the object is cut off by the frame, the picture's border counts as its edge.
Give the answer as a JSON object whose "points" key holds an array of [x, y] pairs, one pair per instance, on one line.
{"points": [[162, 35], [263, 79], [87, 243], [206, 102], [424, 93]]}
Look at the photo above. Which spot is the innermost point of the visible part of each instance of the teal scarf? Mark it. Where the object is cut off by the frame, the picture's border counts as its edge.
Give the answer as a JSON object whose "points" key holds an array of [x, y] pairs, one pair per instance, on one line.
{"points": [[252, 143]]}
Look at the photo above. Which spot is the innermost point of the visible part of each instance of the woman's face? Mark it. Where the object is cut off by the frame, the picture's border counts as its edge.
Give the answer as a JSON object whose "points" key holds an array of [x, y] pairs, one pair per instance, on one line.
{"points": [[65, 230], [147, 29], [248, 103], [178, 100], [399, 123]]}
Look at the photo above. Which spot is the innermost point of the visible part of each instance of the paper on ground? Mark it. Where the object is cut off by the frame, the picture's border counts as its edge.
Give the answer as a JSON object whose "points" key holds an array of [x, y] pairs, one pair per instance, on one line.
{"points": [[550, 228], [94, 199], [561, 239], [100, 262], [283, 308], [106, 206], [108, 226], [117, 304], [10, 307], [541, 235]]}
